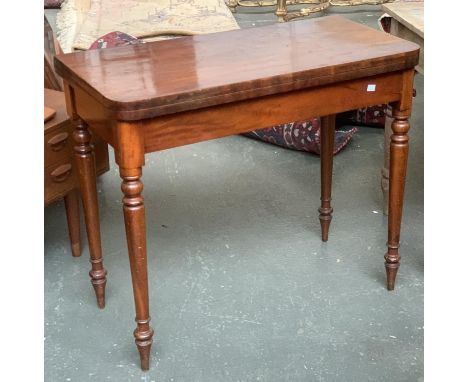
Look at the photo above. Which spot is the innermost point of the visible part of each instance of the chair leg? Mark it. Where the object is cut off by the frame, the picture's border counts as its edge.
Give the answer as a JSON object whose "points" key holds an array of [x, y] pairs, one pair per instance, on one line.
{"points": [[327, 141], [72, 209]]}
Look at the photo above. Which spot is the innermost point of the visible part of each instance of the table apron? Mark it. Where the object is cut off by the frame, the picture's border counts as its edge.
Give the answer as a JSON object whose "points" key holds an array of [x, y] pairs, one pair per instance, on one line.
{"points": [[98, 118], [239, 117], [213, 122]]}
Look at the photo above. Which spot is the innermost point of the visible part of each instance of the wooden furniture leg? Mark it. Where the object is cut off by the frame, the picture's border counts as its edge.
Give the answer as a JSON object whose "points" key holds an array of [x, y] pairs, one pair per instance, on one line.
{"points": [[72, 208], [385, 178], [398, 164], [87, 174], [130, 159], [159, 114], [327, 139]]}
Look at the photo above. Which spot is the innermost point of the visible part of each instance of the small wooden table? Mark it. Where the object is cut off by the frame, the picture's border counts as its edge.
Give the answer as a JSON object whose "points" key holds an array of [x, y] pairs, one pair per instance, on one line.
{"points": [[407, 22], [154, 96]]}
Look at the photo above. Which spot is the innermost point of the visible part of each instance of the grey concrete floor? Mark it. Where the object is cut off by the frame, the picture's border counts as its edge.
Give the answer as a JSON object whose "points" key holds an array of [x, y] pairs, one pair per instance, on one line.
{"points": [[241, 286]]}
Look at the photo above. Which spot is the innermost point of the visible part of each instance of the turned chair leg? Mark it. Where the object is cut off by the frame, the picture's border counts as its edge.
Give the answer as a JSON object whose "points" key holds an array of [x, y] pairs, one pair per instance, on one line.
{"points": [[398, 164], [84, 156], [327, 141], [72, 209]]}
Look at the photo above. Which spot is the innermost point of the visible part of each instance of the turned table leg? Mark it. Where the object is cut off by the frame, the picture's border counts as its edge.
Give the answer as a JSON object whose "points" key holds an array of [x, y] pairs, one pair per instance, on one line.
{"points": [[130, 157], [134, 215], [398, 164], [72, 209], [327, 141], [84, 156], [384, 183]]}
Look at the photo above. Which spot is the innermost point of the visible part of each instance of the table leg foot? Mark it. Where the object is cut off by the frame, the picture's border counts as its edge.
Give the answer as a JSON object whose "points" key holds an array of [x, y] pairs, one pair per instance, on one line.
{"points": [[327, 140], [398, 163], [392, 263], [144, 340], [98, 281], [84, 156]]}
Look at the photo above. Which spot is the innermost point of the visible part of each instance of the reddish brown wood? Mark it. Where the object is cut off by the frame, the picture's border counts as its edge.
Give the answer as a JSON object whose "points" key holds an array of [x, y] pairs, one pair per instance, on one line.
{"points": [[171, 93], [56, 187], [72, 208], [385, 174], [100, 118], [398, 163], [327, 140], [130, 158], [175, 130], [87, 174], [163, 77]]}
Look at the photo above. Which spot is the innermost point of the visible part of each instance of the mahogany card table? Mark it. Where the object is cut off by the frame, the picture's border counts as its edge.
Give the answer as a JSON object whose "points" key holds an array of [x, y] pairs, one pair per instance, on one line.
{"points": [[164, 94]]}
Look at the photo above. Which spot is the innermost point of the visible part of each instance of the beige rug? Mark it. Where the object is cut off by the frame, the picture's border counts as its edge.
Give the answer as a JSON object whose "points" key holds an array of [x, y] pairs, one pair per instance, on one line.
{"points": [[81, 22]]}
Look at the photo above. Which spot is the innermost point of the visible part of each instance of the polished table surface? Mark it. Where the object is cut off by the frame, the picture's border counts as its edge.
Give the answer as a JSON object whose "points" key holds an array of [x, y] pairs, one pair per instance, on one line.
{"points": [[144, 98], [147, 80]]}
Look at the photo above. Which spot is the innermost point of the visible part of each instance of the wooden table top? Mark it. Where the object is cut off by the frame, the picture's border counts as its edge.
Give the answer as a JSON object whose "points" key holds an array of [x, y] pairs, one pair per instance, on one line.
{"points": [[411, 15], [164, 77]]}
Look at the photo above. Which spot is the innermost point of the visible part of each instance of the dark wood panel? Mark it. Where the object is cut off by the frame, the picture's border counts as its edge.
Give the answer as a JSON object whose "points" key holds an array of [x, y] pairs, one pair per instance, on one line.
{"points": [[59, 180], [162, 77]]}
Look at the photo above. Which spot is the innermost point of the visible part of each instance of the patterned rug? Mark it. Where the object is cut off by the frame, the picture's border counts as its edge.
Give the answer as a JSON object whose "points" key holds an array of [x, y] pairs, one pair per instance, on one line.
{"points": [[92, 19]]}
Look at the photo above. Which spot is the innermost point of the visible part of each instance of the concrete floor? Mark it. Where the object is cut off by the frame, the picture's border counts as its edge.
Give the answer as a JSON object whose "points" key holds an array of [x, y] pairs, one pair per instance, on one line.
{"points": [[241, 286]]}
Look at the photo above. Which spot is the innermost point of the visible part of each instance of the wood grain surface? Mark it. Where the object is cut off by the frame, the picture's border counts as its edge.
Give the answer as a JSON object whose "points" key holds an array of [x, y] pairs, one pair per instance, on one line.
{"points": [[164, 77]]}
